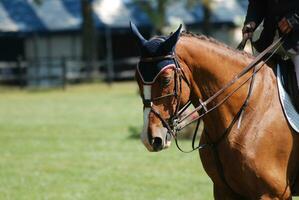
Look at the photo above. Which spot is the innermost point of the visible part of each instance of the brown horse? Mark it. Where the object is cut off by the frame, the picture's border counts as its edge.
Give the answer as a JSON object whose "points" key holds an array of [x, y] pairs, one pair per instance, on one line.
{"points": [[256, 160]]}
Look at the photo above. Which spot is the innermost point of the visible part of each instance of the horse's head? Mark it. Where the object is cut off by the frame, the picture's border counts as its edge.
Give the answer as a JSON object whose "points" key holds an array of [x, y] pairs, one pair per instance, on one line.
{"points": [[160, 82]]}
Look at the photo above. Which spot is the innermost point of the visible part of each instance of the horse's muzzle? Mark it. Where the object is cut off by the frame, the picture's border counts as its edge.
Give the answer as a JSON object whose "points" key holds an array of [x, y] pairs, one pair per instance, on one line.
{"points": [[157, 140], [157, 144], [160, 143]]}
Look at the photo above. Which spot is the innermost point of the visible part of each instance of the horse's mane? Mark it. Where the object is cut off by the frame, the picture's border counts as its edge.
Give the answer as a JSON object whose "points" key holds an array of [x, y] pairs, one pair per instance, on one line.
{"points": [[214, 41]]}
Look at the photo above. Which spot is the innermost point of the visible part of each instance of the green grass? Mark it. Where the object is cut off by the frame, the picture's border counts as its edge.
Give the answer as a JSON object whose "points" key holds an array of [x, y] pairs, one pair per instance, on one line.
{"points": [[78, 144]]}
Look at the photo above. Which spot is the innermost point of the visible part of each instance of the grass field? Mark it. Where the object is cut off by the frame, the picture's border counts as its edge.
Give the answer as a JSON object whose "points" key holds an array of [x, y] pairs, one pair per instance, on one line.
{"points": [[81, 144]]}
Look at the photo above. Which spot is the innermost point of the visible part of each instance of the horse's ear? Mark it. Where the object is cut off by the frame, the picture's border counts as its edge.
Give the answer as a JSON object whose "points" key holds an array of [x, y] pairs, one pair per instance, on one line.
{"points": [[170, 43], [139, 38]]}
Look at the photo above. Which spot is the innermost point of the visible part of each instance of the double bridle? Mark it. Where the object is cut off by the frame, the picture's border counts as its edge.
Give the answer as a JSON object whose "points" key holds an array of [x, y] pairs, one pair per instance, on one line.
{"points": [[174, 123]]}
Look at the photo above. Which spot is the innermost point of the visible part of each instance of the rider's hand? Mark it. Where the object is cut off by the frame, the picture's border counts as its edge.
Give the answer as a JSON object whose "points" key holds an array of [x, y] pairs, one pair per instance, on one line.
{"points": [[248, 30], [285, 26]]}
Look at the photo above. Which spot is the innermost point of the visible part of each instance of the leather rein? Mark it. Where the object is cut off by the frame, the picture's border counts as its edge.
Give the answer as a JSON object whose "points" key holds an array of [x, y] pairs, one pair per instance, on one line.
{"points": [[174, 123]]}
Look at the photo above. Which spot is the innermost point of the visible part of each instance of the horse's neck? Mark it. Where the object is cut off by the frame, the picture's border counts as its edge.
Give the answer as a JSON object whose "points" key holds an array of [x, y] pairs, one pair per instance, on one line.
{"points": [[212, 67]]}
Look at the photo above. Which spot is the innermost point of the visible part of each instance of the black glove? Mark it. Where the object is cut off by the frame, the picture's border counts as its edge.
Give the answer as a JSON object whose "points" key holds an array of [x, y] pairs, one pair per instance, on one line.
{"points": [[248, 30]]}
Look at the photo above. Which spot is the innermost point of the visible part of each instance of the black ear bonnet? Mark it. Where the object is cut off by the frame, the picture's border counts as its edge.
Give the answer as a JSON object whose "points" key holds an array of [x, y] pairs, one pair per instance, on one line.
{"points": [[156, 47]]}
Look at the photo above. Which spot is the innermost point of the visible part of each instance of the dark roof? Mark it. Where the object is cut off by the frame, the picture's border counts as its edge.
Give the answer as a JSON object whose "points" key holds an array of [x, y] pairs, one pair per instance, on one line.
{"points": [[25, 16]]}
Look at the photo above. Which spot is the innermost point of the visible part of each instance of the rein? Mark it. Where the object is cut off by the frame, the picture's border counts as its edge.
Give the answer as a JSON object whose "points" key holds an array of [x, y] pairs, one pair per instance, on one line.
{"points": [[173, 124], [253, 64]]}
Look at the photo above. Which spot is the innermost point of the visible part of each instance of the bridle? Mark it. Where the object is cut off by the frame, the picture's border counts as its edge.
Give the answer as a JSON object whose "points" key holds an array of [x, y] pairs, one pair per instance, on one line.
{"points": [[179, 75], [173, 124]]}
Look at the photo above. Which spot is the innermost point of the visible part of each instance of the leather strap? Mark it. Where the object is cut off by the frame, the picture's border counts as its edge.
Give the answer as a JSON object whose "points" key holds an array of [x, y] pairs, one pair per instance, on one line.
{"points": [[156, 58], [256, 61], [242, 44]]}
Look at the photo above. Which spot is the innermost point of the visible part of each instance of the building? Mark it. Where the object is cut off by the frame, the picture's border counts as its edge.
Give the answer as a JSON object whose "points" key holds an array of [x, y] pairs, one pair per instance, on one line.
{"points": [[41, 43]]}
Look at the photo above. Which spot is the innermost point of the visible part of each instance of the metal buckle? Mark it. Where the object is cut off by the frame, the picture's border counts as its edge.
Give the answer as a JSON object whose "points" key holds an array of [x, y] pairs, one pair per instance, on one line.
{"points": [[175, 125], [203, 104], [147, 103]]}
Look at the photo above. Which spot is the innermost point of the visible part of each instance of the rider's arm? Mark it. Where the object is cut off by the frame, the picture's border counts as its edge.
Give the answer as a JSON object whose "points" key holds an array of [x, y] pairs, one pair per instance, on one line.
{"points": [[255, 12]]}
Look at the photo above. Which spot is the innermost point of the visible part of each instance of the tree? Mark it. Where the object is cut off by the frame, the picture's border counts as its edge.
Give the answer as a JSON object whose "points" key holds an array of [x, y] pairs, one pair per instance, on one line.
{"points": [[38, 2], [88, 37], [207, 16], [156, 10]]}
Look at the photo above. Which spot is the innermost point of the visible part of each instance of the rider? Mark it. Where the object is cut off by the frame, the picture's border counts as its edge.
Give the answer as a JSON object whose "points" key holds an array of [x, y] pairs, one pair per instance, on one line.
{"points": [[281, 15]]}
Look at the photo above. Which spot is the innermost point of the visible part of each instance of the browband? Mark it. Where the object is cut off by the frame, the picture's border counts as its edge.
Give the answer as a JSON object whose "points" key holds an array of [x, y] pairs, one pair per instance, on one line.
{"points": [[156, 58], [154, 79]]}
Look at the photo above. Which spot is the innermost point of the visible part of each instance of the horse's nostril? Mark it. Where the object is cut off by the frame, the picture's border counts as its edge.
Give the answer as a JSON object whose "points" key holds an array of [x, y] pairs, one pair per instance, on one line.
{"points": [[157, 144]]}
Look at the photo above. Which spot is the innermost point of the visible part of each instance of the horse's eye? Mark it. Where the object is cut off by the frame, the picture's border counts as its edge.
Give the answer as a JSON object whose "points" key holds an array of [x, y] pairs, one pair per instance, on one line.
{"points": [[165, 82]]}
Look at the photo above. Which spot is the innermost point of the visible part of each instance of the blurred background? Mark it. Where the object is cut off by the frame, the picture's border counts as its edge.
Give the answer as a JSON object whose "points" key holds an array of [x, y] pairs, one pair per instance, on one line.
{"points": [[45, 43], [70, 114]]}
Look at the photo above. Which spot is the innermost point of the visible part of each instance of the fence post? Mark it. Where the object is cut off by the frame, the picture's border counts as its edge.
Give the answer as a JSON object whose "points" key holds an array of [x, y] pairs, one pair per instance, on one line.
{"points": [[21, 79], [110, 67], [64, 78]]}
